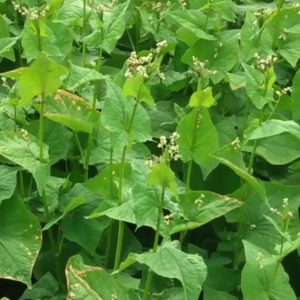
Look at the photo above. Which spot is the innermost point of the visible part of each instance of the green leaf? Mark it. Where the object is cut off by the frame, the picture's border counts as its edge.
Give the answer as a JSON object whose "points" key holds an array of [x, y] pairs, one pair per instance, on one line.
{"points": [[231, 157], [111, 30], [290, 49], [220, 54], [20, 241], [71, 111], [6, 45], [257, 229], [170, 262], [41, 78], [277, 26], [258, 278], [211, 294], [256, 87], [193, 21], [198, 139], [8, 182], [200, 208], [236, 81], [23, 150], [278, 141], [56, 136], [116, 117], [250, 35], [79, 75], [135, 87], [275, 127], [279, 150], [46, 288], [6, 42], [202, 98], [70, 13], [145, 209], [76, 228], [90, 282], [162, 176], [55, 39]]}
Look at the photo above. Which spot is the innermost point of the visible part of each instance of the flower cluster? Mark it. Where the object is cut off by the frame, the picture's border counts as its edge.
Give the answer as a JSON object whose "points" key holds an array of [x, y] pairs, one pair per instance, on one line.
{"points": [[145, 64], [24, 135], [284, 91], [199, 68], [284, 213], [32, 13], [4, 83], [199, 201], [265, 63], [168, 146], [260, 259], [158, 7], [236, 144], [101, 8], [153, 160], [183, 3], [263, 13], [168, 218], [283, 36]]}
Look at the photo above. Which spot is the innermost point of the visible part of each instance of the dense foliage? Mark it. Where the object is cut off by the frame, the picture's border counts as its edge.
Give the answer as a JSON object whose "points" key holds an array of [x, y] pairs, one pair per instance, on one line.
{"points": [[150, 149]]}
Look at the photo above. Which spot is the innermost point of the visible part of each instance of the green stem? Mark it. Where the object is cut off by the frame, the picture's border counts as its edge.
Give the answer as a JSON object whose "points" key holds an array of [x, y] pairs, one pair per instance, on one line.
{"points": [[44, 198], [251, 160], [84, 26], [111, 160], [90, 137], [18, 44], [238, 246], [280, 4], [237, 250], [38, 33], [189, 171], [121, 223], [79, 146], [188, 177], [273, 110], [158, 223], [41, 128], [155, 244], [130, 40], [119, 244]]}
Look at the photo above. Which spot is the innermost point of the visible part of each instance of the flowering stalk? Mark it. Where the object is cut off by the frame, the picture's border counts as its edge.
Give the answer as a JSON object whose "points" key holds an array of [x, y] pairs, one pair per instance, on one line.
{"points": [[189, 168], [123, 160], [44, 197], [90, 137], [238, 249], [155, 244]]}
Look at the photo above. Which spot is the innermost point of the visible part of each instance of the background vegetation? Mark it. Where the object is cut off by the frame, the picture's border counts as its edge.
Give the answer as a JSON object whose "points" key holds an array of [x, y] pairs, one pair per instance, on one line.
{"points": [[149, 149]]}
